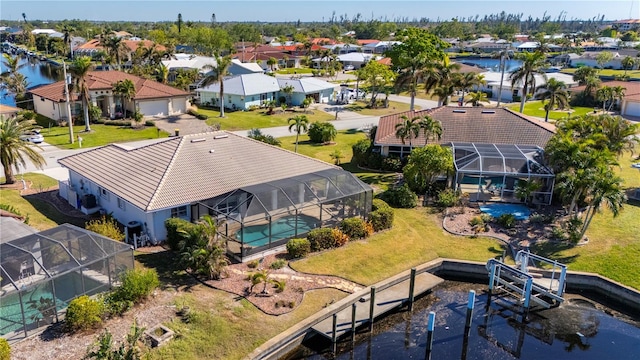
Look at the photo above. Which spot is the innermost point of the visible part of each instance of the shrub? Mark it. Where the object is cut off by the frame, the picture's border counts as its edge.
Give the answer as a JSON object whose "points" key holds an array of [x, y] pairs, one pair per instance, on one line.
{"points": [[279, 285], [253, 264], [150, 123], [107, 226], [5, 349], [361, 151], [321, 239], [392, 164], [382, 218], [477, 224], [486, 217], [378, 204], [136, 285], [507, 220], [298, 248], [339, 237], [123, 123], [176, 227], [197, 115], [83, 313], [322, 132], [447, 198], [354, 227], [401, 197], [278, 264]]}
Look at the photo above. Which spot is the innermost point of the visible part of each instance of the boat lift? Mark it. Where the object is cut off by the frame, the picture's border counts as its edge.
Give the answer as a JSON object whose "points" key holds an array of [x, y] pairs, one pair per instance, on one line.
{"points": [[526, 281]]}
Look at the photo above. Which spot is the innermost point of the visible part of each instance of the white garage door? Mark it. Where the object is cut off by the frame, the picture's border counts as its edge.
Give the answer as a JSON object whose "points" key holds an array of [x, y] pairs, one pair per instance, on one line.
{"points": [[633, 109], [154, 108], [179, 105]]}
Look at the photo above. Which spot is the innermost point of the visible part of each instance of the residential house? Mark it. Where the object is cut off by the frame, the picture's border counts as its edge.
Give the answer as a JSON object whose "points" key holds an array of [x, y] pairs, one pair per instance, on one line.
{"points": [[378, 48], [151, 97], [7, 111], [307, 87], [627, 24], [510, 92], [531, 46], [630, 106], [190, 61], [93, 48], [261, 195], [357, 60], [590, 59], [241, 92], [486, 46]]}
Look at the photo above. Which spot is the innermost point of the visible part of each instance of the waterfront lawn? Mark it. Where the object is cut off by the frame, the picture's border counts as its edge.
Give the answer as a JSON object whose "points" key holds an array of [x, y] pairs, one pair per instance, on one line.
{"points": [[294, 71], [536, 108], [245, 120], [99, 135], [394, 107]]}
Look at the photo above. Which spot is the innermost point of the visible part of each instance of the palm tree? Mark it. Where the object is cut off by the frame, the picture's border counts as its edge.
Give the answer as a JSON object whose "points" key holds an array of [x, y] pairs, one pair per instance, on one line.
{"points": [[301, 124], [117, 49], [272, 62], [532, 64], [444, 92], [591, 84], [604, 94], [13, 151], [217, 73], [410, 76], [162, 73], [288, 91], [126, 90], [606, 190], [179, 23], [408, 129], [468, 80], [504, 56], [11, 64], [430, 127], [79, 69], [618, 94], [476, 98], [556, 92], [67, 32]]}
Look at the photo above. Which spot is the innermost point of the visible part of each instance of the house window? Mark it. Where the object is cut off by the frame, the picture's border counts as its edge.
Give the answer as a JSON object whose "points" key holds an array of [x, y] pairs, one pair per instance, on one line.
{"points": [[179, 212], [121, 204], [104, 193]]}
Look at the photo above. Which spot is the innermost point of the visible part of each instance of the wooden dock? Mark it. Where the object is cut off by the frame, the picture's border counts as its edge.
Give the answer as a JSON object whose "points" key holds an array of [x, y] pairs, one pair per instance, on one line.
{"points": [[385, 300]]}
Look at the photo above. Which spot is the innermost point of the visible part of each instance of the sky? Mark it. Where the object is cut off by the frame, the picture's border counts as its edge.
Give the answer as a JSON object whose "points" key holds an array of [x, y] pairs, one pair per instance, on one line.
{"points": [[306, 10]]}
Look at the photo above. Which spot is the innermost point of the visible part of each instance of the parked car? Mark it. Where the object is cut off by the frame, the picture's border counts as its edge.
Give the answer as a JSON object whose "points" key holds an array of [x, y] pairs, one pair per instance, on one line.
{"points": [[33, 136], [349, 67]]}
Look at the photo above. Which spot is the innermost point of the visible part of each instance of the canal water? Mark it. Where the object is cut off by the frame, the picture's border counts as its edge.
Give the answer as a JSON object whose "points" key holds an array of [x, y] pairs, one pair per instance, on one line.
{"points": [[37, 73], [492, 64], [577, 329]]}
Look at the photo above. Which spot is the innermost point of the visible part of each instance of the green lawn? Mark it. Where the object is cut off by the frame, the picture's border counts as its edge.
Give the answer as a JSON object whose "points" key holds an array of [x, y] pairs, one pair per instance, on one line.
{"points": [[633, 74], [293, 71], [245, 120], [394, 108], [99, 135], [536, 108]]}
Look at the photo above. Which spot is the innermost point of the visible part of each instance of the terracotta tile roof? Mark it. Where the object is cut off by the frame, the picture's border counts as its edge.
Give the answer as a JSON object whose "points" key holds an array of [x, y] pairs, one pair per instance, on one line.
{"points": [[131, 44], [367, 41], [632, 87], [103, 80], [180, 170], [322, 41], [474, 125], [8, 110], [385, 61]]}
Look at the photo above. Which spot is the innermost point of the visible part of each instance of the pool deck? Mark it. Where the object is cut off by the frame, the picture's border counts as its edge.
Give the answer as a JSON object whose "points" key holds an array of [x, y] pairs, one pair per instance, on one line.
{"points": [[385, 300]]}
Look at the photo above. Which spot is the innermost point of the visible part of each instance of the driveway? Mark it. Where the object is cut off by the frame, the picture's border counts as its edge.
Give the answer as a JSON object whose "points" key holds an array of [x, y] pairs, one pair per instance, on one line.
{"points": [[186, 123]]}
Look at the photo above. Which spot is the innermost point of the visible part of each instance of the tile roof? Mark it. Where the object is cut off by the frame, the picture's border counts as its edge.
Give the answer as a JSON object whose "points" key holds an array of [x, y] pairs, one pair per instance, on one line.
{"points": [[632, 87], [474, 125], [186, 169], [103, 80], [8, 110], [131, 44]]}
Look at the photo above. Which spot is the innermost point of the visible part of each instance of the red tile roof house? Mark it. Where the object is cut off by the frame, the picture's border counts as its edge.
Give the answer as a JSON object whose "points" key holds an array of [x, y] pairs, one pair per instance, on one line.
{"points": [[630, 107], [472, 130], [261, 194], [151, 98]]}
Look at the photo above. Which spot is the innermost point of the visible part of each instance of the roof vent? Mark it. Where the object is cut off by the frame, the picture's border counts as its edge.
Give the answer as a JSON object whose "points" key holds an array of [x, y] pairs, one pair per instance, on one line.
{"points": [[198, 140], [220, 137], [488, 111], [211, 151], [459, 111]]}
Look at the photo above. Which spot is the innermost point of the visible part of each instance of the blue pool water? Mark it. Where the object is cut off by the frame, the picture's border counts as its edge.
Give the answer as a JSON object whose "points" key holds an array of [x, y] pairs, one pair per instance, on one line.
{"points": [[521, 212], [283, 228], [493, 64]]}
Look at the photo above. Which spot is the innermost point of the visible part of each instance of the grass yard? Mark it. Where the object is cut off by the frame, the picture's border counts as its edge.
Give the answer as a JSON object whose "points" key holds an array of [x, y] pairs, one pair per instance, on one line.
{"points": [[294, 71], [633, 74], [536, 108], [394, 108], [99, 135], [245, 120]]}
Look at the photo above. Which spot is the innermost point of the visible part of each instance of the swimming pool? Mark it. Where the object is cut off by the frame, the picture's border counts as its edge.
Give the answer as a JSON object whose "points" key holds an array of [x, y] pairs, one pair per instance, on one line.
{"points": [[283, 228], [521, 212]]}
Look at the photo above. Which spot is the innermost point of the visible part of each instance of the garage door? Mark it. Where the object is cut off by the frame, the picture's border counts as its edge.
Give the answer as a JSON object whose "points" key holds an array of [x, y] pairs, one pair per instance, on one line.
{"points": [[179, 105], [154, 108], [633, 109]]}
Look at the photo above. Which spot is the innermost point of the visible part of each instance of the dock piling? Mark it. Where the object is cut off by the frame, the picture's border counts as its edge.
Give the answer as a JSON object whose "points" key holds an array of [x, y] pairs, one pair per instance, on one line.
{"points": [[372, 305], [353, 323], [412, 285], [334, 338], [430, 327], [470, 305]]}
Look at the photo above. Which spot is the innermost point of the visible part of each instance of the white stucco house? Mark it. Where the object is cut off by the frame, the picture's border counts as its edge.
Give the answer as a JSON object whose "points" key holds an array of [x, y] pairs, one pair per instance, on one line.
{"points": [[151, 97], [307, 87], [509, 91], [241, 92], [191, 61], [243, 183]]}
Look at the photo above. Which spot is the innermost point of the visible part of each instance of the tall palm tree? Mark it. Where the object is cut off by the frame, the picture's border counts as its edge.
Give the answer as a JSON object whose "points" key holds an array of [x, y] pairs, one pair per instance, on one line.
{"points": [[217, 73], [468, 80], [410, 76], [408, 129], [301, 124], [444, 92], [430, 127], [13, 81], [606, 190], [591, 85], [117, 49], [13, 151], [126, 90], [67, 32], [532, 64], [476, 98], [618, 94], [179, 23], [556, 92], [604, 94], [79, 69], [11, 64], [272, 62], [162, 73], [504, 56]]}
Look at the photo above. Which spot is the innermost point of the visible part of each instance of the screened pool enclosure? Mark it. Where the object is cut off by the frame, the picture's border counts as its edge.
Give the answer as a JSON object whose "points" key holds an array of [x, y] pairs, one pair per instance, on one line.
{"points": [[493, 172], [256, 218], [41, 273]]}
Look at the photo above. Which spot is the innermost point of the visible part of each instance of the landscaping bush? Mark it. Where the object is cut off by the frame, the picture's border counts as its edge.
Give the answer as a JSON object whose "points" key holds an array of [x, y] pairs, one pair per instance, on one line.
{"points": [[382, 218], [401, 197], [298, 248], [253, 264], [486, 217], [197, 115], [506, 220], [5, 349], [361, 152], [354, 227], [107, 226], [136, 285], [478, 224], [176, 227], [83, 313], [378, 204], [391, 163], [150, 123], [321, 239], [447, 198], [123, 123], [322, 132], [278, 264], [339, 237]]}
